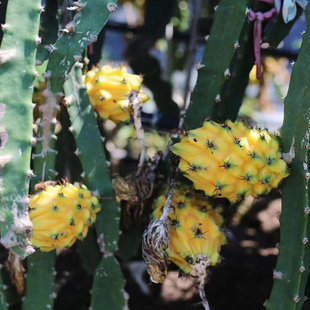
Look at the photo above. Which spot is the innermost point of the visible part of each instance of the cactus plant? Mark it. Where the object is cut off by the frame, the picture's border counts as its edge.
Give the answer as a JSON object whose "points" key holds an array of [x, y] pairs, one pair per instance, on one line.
{"points": [[16, 140], [97, 178], [48, 30], [290, 279], [87, 28], [41, 267], [209, 76]]}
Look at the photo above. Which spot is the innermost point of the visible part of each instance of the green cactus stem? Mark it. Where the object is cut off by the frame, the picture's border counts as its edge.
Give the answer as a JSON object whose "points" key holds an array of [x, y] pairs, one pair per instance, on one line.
{"points": [[76, 36], [232, 92], [9, 296], [45, 139], [89, 253], [107, 287], [243, 61], [91, 153], [213, 69], [17, 72], [40, 271], [233, 89], [74, 39], [41, 265], [97, 179], [48, 30], [292, 270]]}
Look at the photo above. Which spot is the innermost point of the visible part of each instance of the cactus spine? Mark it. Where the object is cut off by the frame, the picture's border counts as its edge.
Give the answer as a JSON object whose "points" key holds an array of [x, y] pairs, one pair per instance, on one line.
{"points": [[76, 36], [16, 77], [292, 270]]}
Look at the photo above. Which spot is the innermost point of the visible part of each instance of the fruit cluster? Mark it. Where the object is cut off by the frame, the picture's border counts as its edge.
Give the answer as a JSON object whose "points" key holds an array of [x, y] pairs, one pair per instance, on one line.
{"points": [[194, 228], [231, 160], [60, 215], [109, 90]]}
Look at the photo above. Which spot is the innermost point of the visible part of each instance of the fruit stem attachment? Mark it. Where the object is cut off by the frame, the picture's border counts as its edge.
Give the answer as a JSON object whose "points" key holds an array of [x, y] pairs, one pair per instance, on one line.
{"points": [[200, 271], [203, 296], [156, 240], [135, 104]]}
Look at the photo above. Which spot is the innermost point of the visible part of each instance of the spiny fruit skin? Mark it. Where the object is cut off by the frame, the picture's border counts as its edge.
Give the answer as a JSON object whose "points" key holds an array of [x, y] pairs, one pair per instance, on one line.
{"points": [[61, 214], [109, 90], [231, 160], [194, 228]]}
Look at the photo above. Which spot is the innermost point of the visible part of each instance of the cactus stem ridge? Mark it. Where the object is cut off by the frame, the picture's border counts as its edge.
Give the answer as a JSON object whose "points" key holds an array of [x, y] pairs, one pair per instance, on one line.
{"points": [[295, 228]]}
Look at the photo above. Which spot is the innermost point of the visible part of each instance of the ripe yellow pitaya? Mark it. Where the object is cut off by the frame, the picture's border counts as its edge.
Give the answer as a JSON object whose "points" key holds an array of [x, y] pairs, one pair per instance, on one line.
{"points": [[231, 160], [109, 90], [61, 214], [195, 234]]}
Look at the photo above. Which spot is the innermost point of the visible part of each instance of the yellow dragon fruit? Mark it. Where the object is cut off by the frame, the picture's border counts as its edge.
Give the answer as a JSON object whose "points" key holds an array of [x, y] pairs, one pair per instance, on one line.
{"points": [[109, 90], [195, 233], [61, 214], [231, 160]]}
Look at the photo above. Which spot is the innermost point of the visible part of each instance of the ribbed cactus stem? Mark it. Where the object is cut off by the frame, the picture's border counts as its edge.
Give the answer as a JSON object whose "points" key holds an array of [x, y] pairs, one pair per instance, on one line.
{"points": [[17, 59], [75, 37], [40, 269], [237, 76], [45, 153], [91, 153], [108, 283], [212, 70], [292, 270], [48, 30], [41, 265]]}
